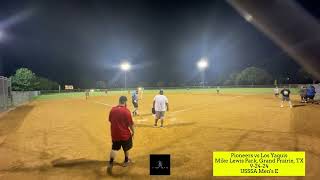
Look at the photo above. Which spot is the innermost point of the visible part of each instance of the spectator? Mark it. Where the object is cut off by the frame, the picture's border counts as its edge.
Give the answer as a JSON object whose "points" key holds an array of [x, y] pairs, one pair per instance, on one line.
{"points": [[311, 92]]}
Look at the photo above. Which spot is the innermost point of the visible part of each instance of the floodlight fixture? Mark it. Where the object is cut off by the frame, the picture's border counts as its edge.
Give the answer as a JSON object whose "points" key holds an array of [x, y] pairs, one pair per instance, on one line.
{"points": [[202, 63], [2, 35], [125, 66]]}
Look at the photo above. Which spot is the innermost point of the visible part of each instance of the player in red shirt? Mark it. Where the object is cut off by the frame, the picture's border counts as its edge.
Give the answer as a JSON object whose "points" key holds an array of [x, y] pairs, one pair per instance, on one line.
{"points": [[122, 131]]}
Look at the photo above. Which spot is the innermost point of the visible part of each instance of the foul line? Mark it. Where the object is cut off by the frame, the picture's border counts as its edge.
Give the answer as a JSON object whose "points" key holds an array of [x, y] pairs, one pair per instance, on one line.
{"points": [[197, 106], [141, 120], [103, 103], [182, 110]]}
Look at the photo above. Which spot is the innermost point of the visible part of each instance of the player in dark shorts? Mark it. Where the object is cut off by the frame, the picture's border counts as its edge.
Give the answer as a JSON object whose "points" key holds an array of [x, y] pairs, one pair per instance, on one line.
{"points": [[285, 92], [135, 99], [303, 94], [87, 94], [122, 132]]}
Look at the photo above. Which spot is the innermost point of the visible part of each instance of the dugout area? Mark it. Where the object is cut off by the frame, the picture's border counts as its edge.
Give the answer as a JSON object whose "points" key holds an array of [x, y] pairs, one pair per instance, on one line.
{"points": [[69, 137]]}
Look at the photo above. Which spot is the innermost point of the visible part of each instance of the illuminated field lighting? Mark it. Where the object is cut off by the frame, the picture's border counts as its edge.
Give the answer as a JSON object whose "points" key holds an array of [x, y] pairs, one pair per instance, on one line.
{"points": [[125, 66], [2, 34], [248, 17], [202, 64]]}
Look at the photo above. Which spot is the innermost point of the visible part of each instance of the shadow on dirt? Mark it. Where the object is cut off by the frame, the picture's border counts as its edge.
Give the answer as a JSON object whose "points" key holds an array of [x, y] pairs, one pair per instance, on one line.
{"points": [[13, 119], [305, 120], [82, 162], [99, 167], [298, 105]]}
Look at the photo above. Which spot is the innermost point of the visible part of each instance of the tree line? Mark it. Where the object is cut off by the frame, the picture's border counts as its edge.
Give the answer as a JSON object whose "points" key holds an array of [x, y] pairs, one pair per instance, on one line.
{"points": [[258, 76], [25, 80], [250, 76]]}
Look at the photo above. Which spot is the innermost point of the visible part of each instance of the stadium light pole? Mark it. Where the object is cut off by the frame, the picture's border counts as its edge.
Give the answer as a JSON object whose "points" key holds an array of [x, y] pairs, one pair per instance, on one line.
{"points": [[2, 35], [202, 66], [125, 66]]}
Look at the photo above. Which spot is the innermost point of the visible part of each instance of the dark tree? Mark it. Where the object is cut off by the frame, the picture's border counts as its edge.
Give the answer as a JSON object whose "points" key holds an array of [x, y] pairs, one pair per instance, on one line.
{"points": [[253, 75], [24, 80]]}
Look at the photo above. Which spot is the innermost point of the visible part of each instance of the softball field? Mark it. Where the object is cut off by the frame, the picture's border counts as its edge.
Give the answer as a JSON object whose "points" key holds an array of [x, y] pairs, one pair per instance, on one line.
{"points": [[69, 137]]}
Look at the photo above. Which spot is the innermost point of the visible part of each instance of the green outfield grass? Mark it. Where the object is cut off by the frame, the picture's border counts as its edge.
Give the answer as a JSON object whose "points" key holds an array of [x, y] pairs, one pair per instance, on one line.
{"points": [[155, 91]]}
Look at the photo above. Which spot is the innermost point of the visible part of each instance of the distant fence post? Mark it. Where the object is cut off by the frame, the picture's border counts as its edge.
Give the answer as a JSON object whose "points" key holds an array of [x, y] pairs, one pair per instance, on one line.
{"points": [[4, 93]]}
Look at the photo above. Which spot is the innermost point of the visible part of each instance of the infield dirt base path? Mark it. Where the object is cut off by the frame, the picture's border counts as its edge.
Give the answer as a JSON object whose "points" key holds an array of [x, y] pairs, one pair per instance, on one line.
{"points": [[70, 138]]}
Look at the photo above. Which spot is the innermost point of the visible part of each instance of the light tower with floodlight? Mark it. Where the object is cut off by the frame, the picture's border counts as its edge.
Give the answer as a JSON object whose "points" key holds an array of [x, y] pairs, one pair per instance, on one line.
{"points": [[202, 66], [125, 66], [2, 34]]}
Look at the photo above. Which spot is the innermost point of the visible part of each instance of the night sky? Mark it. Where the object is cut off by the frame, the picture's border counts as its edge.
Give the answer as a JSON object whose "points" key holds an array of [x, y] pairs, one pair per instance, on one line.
{"points": [[81, 42]]}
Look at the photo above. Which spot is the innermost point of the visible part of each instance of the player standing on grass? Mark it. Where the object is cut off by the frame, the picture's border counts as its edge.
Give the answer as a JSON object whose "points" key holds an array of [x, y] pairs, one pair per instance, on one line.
{"points": [[87, 94], [285, 92], [161, 105], [135, 99], [122, 132]]}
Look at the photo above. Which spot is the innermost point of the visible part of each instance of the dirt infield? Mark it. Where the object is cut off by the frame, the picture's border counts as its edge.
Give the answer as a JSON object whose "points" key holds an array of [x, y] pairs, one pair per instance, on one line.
{"points": [[70, 138]]}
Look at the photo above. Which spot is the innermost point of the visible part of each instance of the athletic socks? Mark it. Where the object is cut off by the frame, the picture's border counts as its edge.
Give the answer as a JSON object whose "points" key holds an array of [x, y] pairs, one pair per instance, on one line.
{"points": [[126, 159], [111, 161]]}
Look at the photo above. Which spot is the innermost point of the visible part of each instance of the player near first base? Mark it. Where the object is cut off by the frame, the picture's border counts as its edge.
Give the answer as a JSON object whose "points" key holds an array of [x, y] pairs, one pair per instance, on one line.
{"points": [[135, 100], [122, 132], [87, 94], [285, 92], [161, 105]]}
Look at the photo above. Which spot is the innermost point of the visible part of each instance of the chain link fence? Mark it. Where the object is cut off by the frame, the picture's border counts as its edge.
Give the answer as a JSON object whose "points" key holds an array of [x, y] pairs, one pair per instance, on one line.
{"points": [[23, 97], [9, 98], [5, 93]]}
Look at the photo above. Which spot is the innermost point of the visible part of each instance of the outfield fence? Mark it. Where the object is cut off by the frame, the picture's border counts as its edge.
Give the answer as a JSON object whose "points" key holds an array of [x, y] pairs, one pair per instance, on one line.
{"points": [[23, 97], [9, 98], [229, 86], [294, 86]]}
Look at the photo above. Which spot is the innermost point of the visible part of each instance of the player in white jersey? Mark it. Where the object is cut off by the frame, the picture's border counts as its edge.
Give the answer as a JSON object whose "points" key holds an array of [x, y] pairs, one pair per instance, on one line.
{"points": [[160, 105]]}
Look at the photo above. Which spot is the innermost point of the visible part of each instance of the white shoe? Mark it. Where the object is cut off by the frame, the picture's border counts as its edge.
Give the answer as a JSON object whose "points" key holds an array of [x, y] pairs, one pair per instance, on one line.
{"points": [[126, 164], [281, 106]]}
